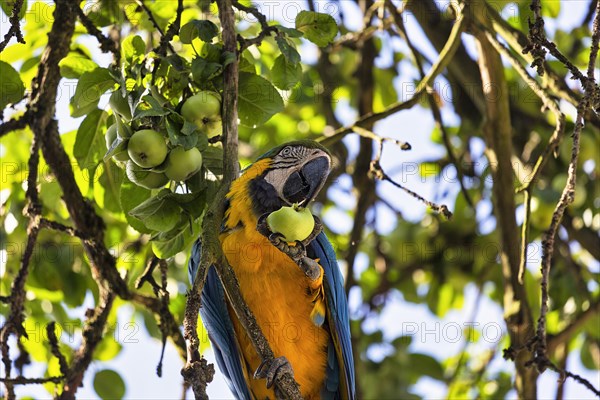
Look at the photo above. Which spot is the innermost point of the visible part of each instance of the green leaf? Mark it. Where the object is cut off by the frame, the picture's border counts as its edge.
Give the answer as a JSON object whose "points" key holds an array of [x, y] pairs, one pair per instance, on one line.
{"points": [[158, 214], [551, 8], [11, 86], [285, 74], [291, 32], [75, 64], [426, 365], [131, 196], [181, 136], [212, 159], [247, 63], [203, 29], [133, 49], [203, 70], [108, 384], [258, 100], [111, 180], [165, 247], [91, 86], [117, 146], [317, 27], [8, 5], [149, 107], [288, 49], [90, 144], [108, 348]]}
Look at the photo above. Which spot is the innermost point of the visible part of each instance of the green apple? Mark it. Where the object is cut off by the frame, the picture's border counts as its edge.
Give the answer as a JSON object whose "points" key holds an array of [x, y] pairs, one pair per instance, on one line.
{"points": [[147, 148], [294, 223], [145, 178], [204, 110], [182, 163], [111, 136], [120, 105]]}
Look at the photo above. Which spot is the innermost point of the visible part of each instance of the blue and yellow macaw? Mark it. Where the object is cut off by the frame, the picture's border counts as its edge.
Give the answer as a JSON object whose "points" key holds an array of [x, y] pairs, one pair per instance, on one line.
{"points": [[303, 315]]}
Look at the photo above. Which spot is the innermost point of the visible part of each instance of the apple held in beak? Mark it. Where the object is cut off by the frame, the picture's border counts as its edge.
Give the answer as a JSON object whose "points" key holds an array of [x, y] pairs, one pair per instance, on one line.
{"points": [[294, 223]]}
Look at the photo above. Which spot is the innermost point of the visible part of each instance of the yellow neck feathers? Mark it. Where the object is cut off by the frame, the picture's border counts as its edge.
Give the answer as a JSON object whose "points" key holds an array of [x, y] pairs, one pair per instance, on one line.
{"points": [[240, 207]]}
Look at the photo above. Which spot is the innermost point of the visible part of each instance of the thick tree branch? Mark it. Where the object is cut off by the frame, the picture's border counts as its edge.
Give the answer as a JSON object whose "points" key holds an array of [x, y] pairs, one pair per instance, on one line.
{"points": [[195, 371], [497, 132]]}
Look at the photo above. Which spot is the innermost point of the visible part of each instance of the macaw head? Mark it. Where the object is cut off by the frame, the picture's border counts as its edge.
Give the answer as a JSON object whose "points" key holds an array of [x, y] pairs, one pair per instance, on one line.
{"points": [[292, 173]]}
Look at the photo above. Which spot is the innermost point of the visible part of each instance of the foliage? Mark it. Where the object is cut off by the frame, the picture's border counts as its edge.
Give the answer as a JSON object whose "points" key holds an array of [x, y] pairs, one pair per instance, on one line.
{"points": [[392, 254]]}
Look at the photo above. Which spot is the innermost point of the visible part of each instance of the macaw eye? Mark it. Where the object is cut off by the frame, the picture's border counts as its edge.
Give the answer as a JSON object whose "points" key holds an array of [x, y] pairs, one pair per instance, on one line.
{"points": [[286, 151]]}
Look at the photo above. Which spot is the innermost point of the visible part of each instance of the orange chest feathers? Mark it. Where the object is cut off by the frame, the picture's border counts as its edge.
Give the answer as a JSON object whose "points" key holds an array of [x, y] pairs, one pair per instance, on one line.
{"points": [[276, 291]]}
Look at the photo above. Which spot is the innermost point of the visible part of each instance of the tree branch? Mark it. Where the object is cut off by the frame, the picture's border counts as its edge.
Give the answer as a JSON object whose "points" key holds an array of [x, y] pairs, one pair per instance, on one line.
{"points": [[15, 28], [566, 198], [14, 321], [497, 132], [435, 110], [14, 124], [443, 60], [265, 31], [195, 371], [172, 30], [106, 43], [154, 22]]}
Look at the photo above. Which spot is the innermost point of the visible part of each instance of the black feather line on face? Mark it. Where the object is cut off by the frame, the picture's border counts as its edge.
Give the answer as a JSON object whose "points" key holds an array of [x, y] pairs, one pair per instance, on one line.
{"points": [[264, 197]]}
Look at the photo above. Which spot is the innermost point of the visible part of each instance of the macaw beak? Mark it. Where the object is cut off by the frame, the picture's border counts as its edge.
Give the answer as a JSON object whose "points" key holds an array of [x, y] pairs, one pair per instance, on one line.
{"points": [[303, 186]]}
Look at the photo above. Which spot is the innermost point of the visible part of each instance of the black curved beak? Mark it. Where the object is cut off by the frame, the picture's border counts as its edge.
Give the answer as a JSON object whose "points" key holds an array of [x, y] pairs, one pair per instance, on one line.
{"points": [[304, 185]]}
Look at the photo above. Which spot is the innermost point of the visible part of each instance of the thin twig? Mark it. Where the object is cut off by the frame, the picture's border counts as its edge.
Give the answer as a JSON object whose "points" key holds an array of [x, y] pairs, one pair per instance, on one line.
{"points": [[378, 172], [154, 22], [14, 124], [106, 43], [57, 226], [435, 110], [540, 358], [404, 146], [265, 31], [172, 30], [443, 60], [550, 148], [15, 28], [55, 349], [14, 321], [21, 380]]}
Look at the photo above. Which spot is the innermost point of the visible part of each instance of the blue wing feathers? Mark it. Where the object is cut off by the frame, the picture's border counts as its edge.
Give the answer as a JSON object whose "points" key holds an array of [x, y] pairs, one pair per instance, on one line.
{"points": [[338, 309], [215, 317]]}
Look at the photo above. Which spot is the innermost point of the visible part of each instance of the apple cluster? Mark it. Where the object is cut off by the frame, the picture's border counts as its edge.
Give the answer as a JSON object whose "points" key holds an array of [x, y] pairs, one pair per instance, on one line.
{"points": [[149, 158]]}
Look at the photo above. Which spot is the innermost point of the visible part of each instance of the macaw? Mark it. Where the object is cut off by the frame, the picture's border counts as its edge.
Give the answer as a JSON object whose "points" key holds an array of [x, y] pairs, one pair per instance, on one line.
{"points": [[301, 307]]}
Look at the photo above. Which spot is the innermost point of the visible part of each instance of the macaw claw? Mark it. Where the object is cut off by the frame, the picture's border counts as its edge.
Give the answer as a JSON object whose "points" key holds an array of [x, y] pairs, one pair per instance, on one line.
{"points": [[297, 251], [278, 366]]}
